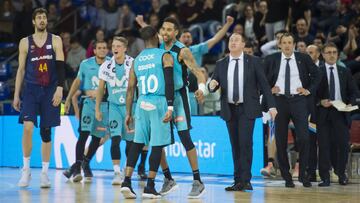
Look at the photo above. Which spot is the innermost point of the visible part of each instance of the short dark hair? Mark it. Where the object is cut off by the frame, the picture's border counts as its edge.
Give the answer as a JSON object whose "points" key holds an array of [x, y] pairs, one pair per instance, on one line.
{"points": [[147, 33], [121, 39], [306, 22], [287, 34], [185, 30], [329, 44], [249, 44], [39, 11], [98, 42], [173, 21], [243, 38], [300, 40]]}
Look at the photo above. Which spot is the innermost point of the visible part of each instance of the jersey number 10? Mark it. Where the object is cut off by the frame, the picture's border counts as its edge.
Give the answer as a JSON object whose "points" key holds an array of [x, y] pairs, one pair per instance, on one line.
{"points": [[150, 86]]}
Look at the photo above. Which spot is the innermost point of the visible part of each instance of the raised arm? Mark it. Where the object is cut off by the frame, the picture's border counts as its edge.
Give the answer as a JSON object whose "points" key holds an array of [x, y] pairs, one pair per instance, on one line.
{"points": [[140, 21], [23, 47], [221, 33]]}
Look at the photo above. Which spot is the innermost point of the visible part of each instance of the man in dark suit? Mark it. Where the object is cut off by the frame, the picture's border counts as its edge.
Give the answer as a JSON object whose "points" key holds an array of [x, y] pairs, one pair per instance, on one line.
{"points": [[314, 52], [241, 77], [333, 125], [293, 76]]}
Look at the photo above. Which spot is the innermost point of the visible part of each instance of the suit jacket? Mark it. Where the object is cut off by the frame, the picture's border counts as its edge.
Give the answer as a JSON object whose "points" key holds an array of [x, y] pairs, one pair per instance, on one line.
{"points": [[348, 90], [309, 74], [254, 83]]}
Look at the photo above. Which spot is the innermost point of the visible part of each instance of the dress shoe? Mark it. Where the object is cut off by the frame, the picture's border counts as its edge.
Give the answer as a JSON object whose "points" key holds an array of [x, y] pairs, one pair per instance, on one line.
{"points": [[306, 182], [248, 186], [289, 183], [343, 180], [312, 177], [235, 187], [325, 183]]}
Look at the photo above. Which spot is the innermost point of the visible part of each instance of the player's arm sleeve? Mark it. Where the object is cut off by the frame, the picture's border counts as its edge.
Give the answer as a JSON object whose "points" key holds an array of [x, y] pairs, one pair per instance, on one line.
{"points": [[169, 78], [59, 64]]}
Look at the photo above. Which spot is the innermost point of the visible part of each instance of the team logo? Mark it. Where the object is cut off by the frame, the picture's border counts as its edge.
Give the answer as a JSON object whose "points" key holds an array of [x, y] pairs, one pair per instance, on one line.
{"points": [[113, 124], [87, 119], [48, 46]]}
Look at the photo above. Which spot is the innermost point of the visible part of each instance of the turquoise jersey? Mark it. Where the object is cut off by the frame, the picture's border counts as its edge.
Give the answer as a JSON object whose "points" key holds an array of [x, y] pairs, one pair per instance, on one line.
{"points": [[198, 50], [117, 93], [180, 69], [88, 73], [148, 69]]}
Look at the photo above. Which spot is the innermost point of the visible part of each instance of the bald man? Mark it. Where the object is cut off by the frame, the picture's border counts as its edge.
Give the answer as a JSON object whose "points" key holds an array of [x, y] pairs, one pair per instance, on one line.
{"points": [[314, 52]]}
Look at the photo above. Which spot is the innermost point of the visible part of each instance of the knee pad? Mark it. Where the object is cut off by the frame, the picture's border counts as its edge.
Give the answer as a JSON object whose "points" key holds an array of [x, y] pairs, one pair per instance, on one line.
{"points": [[186, 140], [115, 148], [45, 134]]}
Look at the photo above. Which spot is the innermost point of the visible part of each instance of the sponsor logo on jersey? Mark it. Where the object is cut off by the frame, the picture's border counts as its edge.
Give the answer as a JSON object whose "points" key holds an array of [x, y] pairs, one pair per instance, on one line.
{"points": [[147, 106], [49, 57], [147, 57], [146, 66]]}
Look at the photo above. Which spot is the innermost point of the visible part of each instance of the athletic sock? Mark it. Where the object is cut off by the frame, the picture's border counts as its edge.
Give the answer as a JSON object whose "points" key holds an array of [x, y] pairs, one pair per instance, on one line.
{"points": [[45, 167], [196, 175], [26, 161], [167, 174]]}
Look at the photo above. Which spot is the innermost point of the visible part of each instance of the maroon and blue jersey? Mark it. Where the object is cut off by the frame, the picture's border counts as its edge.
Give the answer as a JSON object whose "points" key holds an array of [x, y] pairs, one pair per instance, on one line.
{"points": [[40, 63]]}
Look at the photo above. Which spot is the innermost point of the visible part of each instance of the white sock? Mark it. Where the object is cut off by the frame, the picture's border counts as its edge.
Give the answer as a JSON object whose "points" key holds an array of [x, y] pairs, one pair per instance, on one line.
{"points": [[26, 161], [116, 168], [45, 167]]}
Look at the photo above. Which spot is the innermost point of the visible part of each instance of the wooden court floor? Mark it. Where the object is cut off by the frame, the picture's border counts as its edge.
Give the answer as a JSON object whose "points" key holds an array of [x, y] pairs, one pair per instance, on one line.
{"points": [[101, 190]]}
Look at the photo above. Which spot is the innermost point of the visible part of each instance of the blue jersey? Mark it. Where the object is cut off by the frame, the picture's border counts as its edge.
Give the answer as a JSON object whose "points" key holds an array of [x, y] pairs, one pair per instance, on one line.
{"points": [[40, 63], [180, 69], [198, 50], [88, 73], [149, 72], [117, 93]]}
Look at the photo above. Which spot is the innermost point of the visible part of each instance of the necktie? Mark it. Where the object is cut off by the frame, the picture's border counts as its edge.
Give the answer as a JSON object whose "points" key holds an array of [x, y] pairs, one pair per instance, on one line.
{"points": [[332, 84], [287, 78], [236, 82]]}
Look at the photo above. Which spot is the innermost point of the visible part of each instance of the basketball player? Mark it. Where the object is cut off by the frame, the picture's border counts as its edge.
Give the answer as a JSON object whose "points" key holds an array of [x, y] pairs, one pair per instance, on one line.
{"points": [[88, 76], [115, 75], [153, 73], [183, 60], [41, 66]]}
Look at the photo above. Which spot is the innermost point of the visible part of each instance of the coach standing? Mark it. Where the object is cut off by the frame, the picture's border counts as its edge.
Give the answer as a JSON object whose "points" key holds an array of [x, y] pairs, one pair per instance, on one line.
{"points": [[292, 76], [240, 76]]}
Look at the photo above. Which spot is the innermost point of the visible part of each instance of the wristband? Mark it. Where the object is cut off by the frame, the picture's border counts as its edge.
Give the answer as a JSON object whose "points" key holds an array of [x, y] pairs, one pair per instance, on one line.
{"points": [[202, 87]]}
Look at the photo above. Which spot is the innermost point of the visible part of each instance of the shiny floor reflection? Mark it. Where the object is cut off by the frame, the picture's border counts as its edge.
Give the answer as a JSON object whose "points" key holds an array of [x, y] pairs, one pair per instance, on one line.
{"points": [[101, 190]]}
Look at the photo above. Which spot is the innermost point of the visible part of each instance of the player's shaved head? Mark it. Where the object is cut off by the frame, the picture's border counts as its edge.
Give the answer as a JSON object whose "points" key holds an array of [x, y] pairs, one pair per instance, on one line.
{"points": [[147, 33]]}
